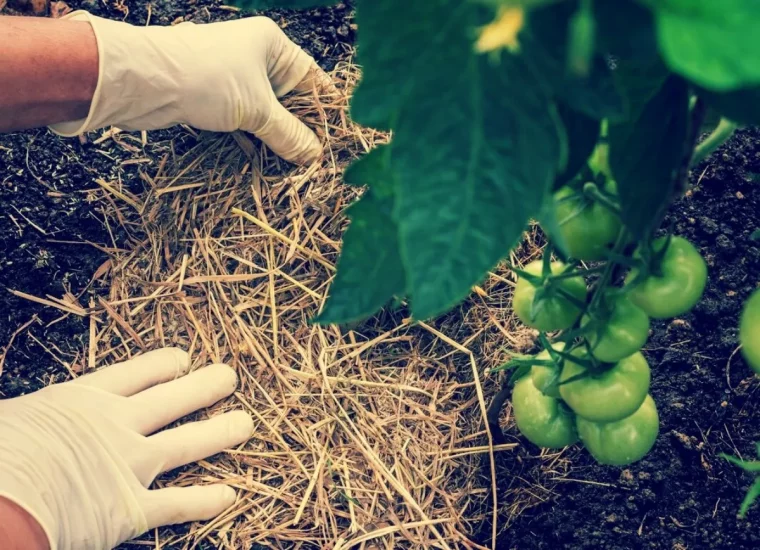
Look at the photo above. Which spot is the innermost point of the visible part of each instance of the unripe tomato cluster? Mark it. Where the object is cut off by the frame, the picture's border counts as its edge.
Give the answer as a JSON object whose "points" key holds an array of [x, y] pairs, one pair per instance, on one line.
{"points": [[593, 386]]}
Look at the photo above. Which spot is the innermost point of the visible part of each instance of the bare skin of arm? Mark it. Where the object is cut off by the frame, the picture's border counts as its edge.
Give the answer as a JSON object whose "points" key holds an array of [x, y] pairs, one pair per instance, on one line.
{"points": [[48, 71], [19, 530]]}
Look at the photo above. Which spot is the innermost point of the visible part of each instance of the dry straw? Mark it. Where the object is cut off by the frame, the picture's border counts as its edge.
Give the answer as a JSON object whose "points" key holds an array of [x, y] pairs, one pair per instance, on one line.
{"points": [[368, 438]]}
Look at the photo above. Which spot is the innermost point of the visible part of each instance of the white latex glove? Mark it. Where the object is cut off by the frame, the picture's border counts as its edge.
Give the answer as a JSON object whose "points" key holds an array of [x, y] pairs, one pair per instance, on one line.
{"points": [[77, 456], [218, 76]]}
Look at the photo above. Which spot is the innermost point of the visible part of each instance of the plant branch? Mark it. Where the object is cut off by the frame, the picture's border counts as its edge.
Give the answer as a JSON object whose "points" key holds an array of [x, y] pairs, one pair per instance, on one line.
{"points": [[592, 191], [605, 278], [697, 111], [719, 136]]}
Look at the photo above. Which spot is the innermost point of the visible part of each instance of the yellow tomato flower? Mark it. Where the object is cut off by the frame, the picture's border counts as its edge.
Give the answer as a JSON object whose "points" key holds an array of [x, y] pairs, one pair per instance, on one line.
{"points": [[502, 32]]}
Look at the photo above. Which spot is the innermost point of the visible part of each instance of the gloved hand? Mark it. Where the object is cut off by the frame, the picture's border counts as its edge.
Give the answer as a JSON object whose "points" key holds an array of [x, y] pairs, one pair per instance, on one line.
{"points": [[219, 76], [78, 456]]}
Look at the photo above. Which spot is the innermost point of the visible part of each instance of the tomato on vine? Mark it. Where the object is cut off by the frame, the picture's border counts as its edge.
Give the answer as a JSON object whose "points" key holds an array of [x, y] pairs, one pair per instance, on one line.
{"points": [[552, 310], [624, 441], [675, 285], [543, 420], [587, 227], [622, 331], [606, 395], [749, 331]]}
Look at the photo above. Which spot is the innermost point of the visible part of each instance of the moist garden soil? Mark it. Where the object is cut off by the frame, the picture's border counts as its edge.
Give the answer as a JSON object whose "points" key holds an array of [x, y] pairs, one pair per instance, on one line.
{"points": [[681, 496]]}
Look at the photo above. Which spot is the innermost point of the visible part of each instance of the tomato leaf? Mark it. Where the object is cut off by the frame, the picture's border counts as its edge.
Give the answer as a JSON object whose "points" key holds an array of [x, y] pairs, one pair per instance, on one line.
{"points": [[749, 499], [370, 271], [746, 465], [372, 167], [389, 71], [647, 149], [544, 44], [713, 44], [625, 29], [742, 106], [288, 4], [476, 146], [582, 134]]}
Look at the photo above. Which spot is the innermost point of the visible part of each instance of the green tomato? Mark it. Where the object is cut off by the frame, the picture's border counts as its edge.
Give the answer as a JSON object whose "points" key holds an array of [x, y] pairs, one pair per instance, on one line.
{"points": [[625, 441], [557, 312], [544, 377], [587, 227], [543, 420], [679, 286], [623, 333], [749, 331], [609, 395]]}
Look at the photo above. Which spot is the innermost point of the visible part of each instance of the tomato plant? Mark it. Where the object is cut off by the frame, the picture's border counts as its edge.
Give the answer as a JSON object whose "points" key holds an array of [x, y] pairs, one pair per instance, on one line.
{"points": [[544, 420], [583, 116], [623, 441], [546, 303], [605, 394], [677, 278]]}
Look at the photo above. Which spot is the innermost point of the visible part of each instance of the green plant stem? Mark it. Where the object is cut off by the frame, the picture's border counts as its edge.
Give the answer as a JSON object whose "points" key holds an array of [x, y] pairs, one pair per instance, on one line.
{"points": [[605, 278], [719, 136], [577, 273], [592, 191], [570, 298]]}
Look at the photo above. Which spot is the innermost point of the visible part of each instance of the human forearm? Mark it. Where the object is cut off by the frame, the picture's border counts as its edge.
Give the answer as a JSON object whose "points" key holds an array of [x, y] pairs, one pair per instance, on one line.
{"points": [[48, 71], [19, 530], [83, 73]]}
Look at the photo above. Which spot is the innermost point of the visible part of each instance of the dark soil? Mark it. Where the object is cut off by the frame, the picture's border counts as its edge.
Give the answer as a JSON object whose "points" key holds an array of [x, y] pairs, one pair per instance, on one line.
{"points": [[682, 495], [44, 200]]}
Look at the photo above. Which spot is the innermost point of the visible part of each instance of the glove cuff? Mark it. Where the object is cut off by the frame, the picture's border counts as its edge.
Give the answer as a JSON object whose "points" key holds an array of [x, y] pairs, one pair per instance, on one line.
{"points": [[136, 89], [10, 493]]}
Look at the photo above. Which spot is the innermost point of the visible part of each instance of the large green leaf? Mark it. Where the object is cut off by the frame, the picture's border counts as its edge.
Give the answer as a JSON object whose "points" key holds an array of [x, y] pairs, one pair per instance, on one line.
{"points": [[625, 29], [372, 169], [582, 134], [476, 146], [714, 43], [639, 81], [544, 43], [742, 106], [388, 49], [370, 272], [289, 4], [647, 150]]}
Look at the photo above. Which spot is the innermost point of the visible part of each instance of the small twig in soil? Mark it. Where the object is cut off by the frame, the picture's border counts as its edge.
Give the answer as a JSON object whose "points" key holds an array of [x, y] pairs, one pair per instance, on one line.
{"points": [[19, 330]]}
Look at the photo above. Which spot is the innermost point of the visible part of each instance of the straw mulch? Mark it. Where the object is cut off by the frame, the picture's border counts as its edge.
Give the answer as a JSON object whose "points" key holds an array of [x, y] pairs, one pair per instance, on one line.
{"points": [[367, 438]]}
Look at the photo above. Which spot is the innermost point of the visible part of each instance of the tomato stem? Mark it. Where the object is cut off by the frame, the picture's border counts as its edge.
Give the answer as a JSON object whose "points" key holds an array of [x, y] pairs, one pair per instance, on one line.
{"points": [[577, 273], [719, 136], [594, 306], [592, 191], [569, 297]]}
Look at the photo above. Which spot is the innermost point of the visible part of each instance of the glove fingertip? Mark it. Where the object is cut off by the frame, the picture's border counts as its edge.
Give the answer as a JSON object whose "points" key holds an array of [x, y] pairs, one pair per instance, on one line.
{"points": [[227, 496]]}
